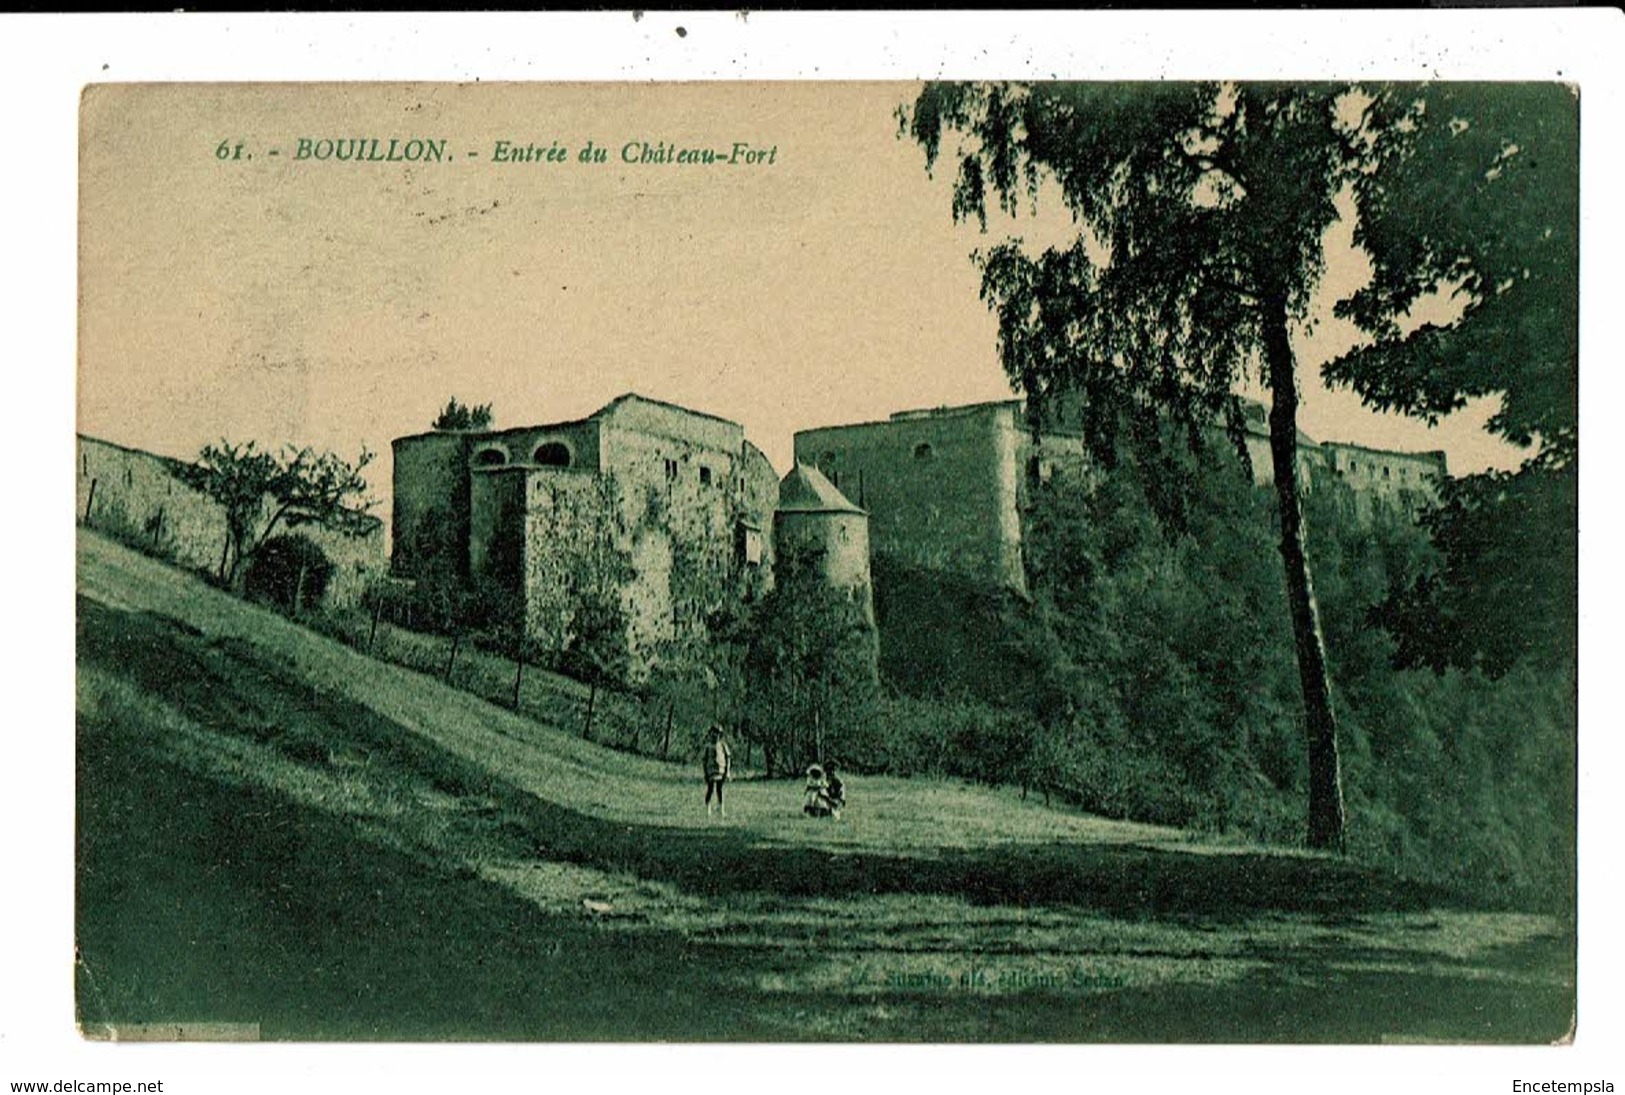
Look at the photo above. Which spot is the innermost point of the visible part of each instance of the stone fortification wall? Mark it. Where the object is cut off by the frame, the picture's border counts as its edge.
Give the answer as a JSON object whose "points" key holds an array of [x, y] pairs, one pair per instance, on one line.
{"points": [[496, 540], [574, 565], [837, 544], [128, 493], [654, 419], [1311, 460], [756, 547], [431, 509], [652, 515], [132, 494], [566, 445], [941, 487], [434, 503], [1395, 482], [681, 483]]}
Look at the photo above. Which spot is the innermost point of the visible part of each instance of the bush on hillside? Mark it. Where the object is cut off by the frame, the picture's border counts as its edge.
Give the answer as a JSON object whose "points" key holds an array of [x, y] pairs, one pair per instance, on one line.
{"points": [[290, 572]]}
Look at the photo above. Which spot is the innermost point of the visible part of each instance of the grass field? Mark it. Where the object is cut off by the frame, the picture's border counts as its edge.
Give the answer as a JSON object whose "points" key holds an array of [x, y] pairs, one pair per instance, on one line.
{"points": [[273, 828]]}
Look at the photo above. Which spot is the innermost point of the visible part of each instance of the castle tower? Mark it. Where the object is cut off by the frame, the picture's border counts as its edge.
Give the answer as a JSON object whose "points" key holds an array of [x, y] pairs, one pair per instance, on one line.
{"points": [[816, 524]]}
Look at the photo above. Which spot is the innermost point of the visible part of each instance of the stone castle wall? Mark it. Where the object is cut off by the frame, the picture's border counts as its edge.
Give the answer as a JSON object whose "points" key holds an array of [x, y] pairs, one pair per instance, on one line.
{"points": [[689, 494], [133, 495], [572, 563], [431, 509], [1379, 481], [837, 543], [645, 508], [496, 526], [941, 488], [947, 489], [567, 444]]}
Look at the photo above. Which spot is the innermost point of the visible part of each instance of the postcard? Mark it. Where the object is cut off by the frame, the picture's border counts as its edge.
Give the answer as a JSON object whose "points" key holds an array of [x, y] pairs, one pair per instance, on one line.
{"points": [[847, 561]]}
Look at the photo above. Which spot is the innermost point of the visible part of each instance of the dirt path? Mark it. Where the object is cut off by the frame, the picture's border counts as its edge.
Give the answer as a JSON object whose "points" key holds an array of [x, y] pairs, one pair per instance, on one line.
{"points": [[276, 828]]}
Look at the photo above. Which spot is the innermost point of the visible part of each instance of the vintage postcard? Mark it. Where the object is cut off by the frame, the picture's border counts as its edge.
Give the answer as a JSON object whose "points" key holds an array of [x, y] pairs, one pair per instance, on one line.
{"points": [[851, 561]]}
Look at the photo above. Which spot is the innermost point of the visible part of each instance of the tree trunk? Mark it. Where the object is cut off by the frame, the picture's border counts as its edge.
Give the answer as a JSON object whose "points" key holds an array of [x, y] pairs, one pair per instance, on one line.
{"points": [[1325, 769], [518, 678], [451, 659], [299, 590], [592, 702]]}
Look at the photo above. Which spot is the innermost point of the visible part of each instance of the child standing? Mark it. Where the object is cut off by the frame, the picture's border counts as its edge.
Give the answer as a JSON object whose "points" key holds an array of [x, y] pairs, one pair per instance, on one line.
{"points": [[718, 762]]}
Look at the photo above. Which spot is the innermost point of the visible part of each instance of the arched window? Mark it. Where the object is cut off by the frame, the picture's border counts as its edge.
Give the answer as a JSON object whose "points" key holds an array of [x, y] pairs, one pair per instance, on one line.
{"points": [[553, 454], [492, 457], [922, 451]]}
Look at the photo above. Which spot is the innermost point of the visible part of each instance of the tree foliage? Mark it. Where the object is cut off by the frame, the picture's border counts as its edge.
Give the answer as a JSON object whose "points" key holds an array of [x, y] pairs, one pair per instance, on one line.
{"points": [[809, 669], [1202, 210], [461, 416], [1160, 684], [1505, 589], [261, 492], [289, 571], [1473, 190]]}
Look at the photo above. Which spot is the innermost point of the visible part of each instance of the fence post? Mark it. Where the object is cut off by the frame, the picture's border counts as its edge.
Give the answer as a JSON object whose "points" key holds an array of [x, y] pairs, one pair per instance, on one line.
{"points": [[452, 659], [665, 742], [518, 678], [377, 609], [90, 500]]}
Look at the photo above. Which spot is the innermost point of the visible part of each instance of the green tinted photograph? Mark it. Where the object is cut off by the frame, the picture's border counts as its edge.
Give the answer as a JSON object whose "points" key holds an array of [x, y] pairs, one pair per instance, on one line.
{"points": [[997, 562]]}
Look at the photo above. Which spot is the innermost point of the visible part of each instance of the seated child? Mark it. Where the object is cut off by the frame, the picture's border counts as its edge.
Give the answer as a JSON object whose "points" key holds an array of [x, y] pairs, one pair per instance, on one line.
{"points": [[834, 791], [817, 802]]}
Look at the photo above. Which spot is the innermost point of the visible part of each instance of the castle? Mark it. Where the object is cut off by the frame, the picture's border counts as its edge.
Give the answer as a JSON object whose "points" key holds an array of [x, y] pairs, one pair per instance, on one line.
{"points": [[641, 522], [643, 519], [947, 488], [648, 518]]}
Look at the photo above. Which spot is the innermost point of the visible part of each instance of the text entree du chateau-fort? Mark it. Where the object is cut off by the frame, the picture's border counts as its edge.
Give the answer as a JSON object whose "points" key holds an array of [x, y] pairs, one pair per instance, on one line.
{"points": [[364, 150]]}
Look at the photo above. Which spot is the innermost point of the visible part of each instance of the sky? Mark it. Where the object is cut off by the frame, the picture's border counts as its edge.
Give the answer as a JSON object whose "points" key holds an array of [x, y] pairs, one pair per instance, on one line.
{"points": [[229, 289]]}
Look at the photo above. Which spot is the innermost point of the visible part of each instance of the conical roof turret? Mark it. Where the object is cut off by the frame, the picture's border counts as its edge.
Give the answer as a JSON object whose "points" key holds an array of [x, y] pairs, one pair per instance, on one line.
{"points": [[807, 490]]}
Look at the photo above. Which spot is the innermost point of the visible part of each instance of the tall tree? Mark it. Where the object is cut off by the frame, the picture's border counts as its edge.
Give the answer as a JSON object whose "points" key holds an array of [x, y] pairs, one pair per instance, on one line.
{"points": [[1201, 211], [809, 666]]}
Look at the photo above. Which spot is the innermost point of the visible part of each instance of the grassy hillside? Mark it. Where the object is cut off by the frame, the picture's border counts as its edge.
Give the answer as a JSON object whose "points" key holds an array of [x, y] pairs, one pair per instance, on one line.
{"points": [[275, 829]]}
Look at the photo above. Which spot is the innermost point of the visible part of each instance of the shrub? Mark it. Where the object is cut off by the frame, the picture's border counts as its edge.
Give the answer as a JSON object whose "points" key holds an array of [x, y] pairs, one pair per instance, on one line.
{"points": [[288, 571]]}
